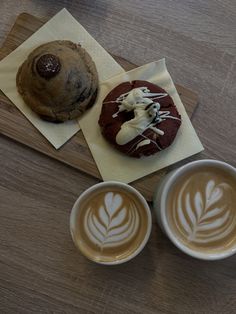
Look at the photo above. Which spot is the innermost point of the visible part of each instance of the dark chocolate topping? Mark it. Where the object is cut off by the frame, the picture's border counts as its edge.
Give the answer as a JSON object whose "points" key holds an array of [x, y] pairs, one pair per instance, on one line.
{"points": [[48, 66]]}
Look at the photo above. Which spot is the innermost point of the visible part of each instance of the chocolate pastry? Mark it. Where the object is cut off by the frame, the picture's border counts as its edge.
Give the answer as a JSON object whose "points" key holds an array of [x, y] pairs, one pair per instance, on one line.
{"points": [[58, 81], [139, 118]]}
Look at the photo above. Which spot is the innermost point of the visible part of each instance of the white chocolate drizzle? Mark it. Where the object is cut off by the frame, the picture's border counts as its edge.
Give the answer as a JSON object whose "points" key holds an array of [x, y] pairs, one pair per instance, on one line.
{"points": [[147, 115]]}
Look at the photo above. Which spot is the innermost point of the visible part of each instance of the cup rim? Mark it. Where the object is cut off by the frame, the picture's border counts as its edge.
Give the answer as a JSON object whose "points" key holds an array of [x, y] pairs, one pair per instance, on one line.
{"points": [[166, 189], [75, 208]]}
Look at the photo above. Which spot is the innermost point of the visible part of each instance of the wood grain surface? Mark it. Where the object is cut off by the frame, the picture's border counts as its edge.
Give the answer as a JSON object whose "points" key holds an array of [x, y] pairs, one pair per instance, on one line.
{"points": [[40, 270], [75, 152]]}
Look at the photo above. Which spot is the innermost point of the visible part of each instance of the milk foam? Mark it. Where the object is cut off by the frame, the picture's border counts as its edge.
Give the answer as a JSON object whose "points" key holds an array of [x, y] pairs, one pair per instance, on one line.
{"points": [[205, 215], [114, 223]]}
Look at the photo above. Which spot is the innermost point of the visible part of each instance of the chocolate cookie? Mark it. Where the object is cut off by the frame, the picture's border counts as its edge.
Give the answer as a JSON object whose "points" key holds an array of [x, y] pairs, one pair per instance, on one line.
{"points": [[139, 118], [58, 81]]}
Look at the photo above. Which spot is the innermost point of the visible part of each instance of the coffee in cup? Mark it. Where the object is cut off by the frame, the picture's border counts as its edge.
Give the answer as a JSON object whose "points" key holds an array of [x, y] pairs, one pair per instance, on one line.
{"points": [[196, 206], [110, 222]]}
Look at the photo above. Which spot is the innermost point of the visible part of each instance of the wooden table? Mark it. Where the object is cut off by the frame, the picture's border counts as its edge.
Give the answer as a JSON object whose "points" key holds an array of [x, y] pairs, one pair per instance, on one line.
{"points": [[40, 269]]}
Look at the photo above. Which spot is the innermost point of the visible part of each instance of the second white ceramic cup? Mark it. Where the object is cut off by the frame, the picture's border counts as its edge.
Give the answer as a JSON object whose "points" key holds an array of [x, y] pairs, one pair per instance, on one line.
{"points": [[160, 202]]}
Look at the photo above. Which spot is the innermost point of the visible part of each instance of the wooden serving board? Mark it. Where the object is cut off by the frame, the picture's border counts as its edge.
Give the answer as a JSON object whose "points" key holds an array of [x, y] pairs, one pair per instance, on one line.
{"points": [[75, 152]]}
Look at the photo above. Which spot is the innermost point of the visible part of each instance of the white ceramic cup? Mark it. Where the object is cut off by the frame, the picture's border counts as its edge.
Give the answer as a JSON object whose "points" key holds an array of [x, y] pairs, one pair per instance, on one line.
{"points": [[86, 194], [160, 201]]}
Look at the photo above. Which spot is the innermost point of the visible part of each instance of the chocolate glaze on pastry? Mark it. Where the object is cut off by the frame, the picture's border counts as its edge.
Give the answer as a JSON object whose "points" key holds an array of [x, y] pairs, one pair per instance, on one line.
{"points": [[139, 118], [48, 66], [58, 81]]}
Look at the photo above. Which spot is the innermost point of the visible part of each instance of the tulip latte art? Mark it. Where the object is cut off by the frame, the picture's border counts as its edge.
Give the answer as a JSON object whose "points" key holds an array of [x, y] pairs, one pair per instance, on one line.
{"points": [[202, 210], [111, 224]]}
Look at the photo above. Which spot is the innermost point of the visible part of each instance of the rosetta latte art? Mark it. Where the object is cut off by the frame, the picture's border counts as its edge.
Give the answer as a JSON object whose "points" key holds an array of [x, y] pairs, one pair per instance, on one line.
{"points": [[204, 216], [112, 223]]}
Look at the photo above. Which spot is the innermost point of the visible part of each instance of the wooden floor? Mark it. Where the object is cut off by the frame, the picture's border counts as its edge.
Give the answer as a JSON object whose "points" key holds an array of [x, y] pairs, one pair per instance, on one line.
{"points": [[40, 270]]}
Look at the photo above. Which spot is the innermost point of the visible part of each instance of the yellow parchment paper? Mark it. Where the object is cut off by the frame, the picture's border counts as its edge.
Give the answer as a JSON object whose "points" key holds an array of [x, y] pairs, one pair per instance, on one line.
{"points": [[114, 165], [62, 26]]}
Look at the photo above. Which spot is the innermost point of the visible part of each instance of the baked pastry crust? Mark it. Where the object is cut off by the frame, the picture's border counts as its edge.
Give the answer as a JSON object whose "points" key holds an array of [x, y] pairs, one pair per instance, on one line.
{"points": [[158, 132], [65, 93]]}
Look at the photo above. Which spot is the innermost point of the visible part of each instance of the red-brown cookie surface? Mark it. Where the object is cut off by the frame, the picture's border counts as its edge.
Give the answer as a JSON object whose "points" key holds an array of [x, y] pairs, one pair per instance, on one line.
{"points": [[147, 142]]}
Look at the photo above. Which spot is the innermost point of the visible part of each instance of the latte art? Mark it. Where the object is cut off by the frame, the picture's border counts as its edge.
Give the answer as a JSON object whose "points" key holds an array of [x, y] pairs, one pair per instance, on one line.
{"points": [[202, 210], [112, 223], [206, 218]]}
